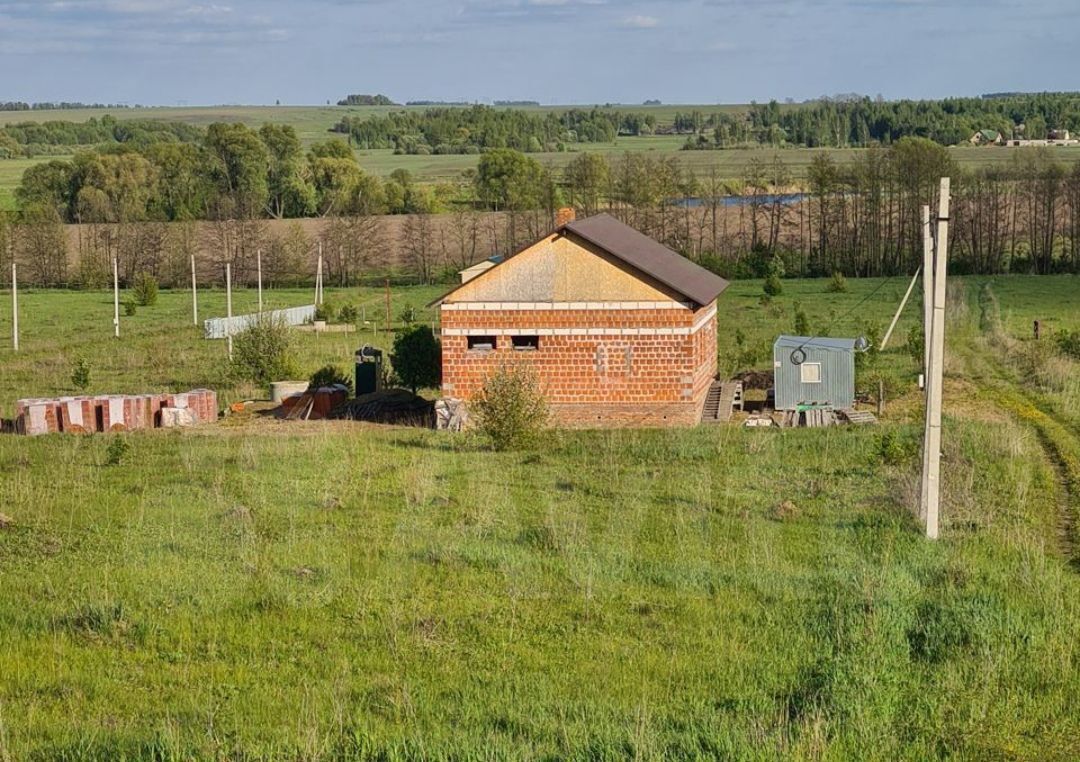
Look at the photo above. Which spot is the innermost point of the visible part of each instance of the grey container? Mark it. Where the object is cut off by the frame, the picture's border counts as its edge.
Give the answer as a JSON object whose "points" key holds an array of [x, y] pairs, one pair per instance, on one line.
{"points": [[825, 376]]}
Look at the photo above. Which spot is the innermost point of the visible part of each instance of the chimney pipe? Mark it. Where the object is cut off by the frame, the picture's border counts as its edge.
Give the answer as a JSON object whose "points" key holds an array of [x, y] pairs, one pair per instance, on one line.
{"points": [[564, 216]]}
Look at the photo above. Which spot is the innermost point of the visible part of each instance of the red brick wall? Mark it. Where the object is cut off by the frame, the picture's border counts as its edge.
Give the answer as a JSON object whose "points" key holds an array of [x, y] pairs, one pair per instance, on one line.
{"points": [[593, 380]]}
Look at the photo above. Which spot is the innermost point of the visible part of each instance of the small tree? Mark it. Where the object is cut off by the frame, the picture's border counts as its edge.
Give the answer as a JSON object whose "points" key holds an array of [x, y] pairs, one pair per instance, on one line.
{"points": [[145, 287], [80, 374], [802, 322], [838, 284], [417, 357], [262, 352], [511, 410], [773, 286]]}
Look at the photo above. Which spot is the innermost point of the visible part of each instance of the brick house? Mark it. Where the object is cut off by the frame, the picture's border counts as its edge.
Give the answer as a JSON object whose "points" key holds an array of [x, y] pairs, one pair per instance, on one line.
{"points": [[620, 330]]}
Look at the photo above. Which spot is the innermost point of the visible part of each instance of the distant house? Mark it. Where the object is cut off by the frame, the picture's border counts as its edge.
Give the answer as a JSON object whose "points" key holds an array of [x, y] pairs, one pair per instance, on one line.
{"points": [[814, 371], [473, 270], [1062, 135], [986, 138], [619, 329]]}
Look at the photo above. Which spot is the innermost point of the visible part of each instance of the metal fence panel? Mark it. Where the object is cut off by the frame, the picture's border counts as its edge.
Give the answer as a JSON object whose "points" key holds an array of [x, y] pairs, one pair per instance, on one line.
{"points": [[220, 328]]}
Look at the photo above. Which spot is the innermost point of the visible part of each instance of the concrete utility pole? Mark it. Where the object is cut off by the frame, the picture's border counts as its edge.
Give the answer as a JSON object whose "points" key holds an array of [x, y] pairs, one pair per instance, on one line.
{"points": [[14, 307], [228, 305], [928, 288], [388, 304], [318, 278], [258, 262], [116, 298], [931, 475], [900, 309], [194, 294]]}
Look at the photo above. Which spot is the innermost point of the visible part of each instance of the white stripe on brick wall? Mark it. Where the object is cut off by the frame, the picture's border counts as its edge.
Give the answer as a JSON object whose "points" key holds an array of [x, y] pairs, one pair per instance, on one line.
{"points": [[681, 331], [701, 321], [534, 306], [74, 411]]}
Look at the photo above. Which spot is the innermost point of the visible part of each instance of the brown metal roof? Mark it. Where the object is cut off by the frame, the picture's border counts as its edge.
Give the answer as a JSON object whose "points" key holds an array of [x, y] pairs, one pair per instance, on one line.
{"points": [[640, 252], [648, 256]]}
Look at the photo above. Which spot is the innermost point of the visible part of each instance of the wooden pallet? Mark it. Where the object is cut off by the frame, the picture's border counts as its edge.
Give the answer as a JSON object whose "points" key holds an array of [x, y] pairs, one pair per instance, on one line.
{"points": [[812, 419], [859, 417]]}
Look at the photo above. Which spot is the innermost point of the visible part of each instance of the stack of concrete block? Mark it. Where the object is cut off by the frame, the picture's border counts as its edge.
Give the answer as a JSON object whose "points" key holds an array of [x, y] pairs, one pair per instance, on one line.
{"points": [[129, 412]]}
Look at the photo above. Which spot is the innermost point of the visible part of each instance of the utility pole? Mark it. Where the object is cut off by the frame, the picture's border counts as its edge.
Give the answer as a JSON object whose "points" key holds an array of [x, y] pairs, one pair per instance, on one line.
{"points": [[387, 304], [116, 298], [14, 308], [928, 289], [900, 309], [194, 295], [228, 305], [258, 263], [318, 278], [931, 475]]}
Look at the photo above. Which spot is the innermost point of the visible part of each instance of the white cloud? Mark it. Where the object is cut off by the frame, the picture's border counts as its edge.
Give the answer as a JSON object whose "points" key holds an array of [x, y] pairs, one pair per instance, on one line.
{"points": [[638, 21]]}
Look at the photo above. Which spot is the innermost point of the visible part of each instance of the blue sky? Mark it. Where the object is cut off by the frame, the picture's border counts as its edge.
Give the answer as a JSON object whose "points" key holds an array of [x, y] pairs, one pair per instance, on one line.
{"points": [[164, 52]]}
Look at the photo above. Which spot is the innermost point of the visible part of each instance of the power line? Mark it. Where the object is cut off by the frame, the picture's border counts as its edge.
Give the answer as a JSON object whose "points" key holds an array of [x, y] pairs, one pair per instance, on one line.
{"points": [[810, 341]]}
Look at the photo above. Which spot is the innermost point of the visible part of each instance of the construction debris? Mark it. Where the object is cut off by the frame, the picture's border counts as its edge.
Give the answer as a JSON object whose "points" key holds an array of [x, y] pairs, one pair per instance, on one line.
{"points": [[451, 415], [314, 404], [396, 406], [104, 413], [759, 422], [177, 417]]}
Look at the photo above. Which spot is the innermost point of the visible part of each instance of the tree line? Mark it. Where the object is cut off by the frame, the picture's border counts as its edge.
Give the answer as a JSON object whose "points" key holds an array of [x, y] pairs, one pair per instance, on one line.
{"points": [[860, 219], [861, 121], [476, 128], [43, 138], [60, 106]]}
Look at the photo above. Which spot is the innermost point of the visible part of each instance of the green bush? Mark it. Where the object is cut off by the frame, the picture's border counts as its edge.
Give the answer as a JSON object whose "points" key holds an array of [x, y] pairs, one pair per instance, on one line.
{"points": [[117, 449], [417, 357], [897, 446], [407, 316], [330, 375], [348, 314], [130, 307], [145, 287], [916, 344], [262, 352], [1068, 343], [802, 322], [510, 409], [773, 286], [838, 283], [80, 374]]}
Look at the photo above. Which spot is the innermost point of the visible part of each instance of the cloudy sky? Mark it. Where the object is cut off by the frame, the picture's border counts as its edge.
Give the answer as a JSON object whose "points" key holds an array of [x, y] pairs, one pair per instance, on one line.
{"points": [[164, 52]]}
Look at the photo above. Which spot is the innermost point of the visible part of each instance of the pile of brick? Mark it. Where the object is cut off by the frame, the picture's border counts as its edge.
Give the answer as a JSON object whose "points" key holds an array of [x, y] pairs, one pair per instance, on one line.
{"points": [[314, 404], [84, 415]]}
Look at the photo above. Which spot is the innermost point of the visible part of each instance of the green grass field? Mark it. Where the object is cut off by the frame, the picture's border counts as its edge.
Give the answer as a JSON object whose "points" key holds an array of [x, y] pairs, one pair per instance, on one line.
{"points": [[331, 591]]}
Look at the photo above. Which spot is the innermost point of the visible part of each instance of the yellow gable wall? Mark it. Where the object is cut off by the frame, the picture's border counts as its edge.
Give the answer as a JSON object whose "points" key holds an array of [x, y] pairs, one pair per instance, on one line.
{"points": [[560, 269]]}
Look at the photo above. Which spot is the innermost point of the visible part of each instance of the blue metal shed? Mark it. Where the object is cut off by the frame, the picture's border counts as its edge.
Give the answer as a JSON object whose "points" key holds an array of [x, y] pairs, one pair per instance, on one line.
{"points": [[814, 370]]}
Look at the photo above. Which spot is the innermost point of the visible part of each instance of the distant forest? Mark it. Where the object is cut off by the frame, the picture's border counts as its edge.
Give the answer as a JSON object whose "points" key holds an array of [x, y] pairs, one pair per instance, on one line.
{"points": [[476, 128], [62, 106], [847, 122]]}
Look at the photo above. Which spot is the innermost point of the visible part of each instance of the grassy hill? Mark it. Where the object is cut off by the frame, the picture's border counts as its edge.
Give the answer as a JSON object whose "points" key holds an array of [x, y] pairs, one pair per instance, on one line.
{"points": [[328, 591]]}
